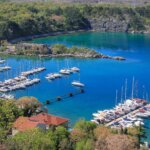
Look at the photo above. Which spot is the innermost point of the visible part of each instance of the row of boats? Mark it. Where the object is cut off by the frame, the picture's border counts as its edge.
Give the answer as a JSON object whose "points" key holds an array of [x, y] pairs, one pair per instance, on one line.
{"points": [[52, 76], [127, 114], [20, 82], [33, 71]]}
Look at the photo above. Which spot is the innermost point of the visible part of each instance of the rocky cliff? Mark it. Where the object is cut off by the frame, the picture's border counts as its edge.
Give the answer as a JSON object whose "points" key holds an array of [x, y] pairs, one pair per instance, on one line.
{"points": [[109, 24]]}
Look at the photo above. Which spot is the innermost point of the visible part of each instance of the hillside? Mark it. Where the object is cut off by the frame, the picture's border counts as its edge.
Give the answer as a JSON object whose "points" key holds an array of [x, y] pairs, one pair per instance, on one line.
{"points": [[129, 2], [25, 19]]}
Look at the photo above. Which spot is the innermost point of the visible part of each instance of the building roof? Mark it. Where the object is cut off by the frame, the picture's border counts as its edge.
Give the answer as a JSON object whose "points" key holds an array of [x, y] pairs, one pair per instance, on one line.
{"points": [[25, 123], [48, 119]]}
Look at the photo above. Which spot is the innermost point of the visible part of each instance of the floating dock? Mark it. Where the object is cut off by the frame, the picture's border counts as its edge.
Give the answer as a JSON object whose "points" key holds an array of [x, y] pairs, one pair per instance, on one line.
{"points": [[60, 98]]}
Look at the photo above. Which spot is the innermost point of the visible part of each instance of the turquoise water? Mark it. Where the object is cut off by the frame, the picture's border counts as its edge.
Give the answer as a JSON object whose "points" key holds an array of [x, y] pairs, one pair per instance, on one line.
{"points": [[101, 76]]}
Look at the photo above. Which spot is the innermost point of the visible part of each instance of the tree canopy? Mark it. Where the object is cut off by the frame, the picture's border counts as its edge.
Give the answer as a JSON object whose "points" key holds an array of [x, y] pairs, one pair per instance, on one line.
{"points": [[23, 19]]}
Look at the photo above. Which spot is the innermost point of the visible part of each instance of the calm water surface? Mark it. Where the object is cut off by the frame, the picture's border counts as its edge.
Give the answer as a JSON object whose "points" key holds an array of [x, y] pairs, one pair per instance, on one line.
{"points": [[101, 76]]}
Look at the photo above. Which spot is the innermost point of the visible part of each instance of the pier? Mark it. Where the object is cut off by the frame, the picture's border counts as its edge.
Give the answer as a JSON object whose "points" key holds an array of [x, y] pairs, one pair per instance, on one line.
{"points": [[60, 98]]}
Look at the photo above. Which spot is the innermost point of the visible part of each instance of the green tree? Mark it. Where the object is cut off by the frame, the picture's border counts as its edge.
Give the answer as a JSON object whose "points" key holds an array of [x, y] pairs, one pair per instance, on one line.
{"points": [[33, 139], [8, 114], [85, 145], [28, 105], [86, 126]]}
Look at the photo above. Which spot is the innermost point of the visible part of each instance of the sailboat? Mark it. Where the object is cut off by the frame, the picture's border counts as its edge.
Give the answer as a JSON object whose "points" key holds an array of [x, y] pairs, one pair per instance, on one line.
{"points": [[77, 83], [75, 69], [2, 61]]}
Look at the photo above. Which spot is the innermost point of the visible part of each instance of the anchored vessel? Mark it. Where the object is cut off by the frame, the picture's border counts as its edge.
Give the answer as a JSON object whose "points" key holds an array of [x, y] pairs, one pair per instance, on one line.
{"points": [[77, 83]]}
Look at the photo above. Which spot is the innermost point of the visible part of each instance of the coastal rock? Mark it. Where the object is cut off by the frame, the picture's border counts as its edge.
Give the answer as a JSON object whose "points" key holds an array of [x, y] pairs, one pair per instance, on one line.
{"points": [[44, 50], [108, 24]]}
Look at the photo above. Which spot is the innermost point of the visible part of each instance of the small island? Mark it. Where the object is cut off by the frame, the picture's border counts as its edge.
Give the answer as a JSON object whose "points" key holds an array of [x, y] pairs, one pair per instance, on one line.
{"points": [[55, 50]]}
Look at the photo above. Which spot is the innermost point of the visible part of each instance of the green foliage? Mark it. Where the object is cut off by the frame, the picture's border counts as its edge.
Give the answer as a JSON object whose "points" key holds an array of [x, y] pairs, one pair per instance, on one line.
{"points": [[39, 139], [8, 113], [137, 132], [59, 138], [85, 126], [33, 140], [22, 19], [62, 49], [28, 105], [85, 145]]}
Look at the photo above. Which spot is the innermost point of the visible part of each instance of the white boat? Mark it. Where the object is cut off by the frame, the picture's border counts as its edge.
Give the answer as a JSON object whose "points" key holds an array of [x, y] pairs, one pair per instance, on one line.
{"points": [[2, 61], [75, 69], [142, 115], [50, 77], [57, 75], [65, 71], [139, 123], [7, 68], [77, 83], [95, 114]]}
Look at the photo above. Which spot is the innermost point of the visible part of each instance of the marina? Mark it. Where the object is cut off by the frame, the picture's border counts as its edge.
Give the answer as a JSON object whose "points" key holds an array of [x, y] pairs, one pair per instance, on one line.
{"points": [[124, 115], [23, 81], [100, 77]]}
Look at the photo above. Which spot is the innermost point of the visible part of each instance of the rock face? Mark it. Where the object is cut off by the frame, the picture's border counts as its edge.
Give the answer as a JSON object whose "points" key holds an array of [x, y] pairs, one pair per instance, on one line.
{"points": [[108, 24]]}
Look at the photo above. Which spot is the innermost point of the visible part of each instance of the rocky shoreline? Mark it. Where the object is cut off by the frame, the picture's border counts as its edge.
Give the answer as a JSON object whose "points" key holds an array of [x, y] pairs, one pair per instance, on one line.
{"points": [[44, 50], [31, 37], [96, 27]]}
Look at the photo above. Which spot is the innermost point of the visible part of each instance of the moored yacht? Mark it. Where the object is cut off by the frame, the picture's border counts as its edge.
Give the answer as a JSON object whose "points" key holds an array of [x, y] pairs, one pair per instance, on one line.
{"points": [[2, 61], [65, 71], [50, 76], [77, 83], [75, 69]]}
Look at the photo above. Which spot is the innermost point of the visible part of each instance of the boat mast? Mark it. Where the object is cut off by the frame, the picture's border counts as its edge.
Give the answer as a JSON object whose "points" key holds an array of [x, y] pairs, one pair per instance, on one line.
{"points": [[132, 93], [143, 92], [116, 96], [147, 96], [79, 75], [136, 84], [125, 90], [121, 94]]}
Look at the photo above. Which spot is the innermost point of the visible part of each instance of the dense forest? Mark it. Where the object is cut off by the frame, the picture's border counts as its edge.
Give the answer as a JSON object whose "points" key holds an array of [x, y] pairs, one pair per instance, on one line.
{"points": [[128, 2], [22, 19]]}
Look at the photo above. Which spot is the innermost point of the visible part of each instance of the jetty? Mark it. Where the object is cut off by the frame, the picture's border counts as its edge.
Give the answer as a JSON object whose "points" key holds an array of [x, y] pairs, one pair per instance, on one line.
{"points": [[62, 97]]}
